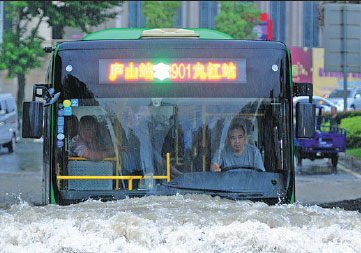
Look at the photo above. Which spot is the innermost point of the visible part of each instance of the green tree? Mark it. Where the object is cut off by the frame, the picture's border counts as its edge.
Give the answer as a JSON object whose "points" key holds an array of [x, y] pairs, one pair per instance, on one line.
{"points": [[160, 14], [80, 14], [238, 19], [21, 50]]}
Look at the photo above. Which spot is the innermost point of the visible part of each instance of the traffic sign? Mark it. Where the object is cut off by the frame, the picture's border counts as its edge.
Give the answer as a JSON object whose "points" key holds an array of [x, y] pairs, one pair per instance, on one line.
{"points": [[342, 34]]}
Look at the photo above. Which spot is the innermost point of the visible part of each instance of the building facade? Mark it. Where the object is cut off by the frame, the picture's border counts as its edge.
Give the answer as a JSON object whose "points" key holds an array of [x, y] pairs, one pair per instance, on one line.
{"points": [[294, 22]]}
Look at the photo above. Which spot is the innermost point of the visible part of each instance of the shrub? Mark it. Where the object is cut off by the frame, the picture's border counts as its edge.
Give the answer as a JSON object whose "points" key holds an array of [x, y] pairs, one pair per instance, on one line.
{"points": [[348, 114], [353, 128]]}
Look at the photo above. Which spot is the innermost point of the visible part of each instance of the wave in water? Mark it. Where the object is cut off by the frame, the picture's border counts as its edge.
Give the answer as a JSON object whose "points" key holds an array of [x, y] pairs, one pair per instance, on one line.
{"points": [[191, 223]]}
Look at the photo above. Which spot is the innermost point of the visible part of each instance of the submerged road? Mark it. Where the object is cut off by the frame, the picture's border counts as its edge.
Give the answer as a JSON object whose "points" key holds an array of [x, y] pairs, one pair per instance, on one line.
{"points": [[317, 185], [21, 175], [20, 172]]}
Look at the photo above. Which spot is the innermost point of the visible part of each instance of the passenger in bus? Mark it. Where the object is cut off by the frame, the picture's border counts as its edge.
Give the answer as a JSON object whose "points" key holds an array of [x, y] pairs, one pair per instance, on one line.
{"points": [[87, 143], [139, 151], [141, 155], [237, 151]]}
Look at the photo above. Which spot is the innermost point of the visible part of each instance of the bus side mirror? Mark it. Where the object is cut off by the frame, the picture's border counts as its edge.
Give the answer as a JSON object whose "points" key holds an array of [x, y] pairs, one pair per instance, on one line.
{"points": [[305, 120], [32, 120]]}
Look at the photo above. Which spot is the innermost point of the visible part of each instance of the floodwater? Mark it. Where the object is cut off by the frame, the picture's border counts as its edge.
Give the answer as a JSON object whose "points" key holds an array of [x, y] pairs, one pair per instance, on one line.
{"points": [[190, 223]]}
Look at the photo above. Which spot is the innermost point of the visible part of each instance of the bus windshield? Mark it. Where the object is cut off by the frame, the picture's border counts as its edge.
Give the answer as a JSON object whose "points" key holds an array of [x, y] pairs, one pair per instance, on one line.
{"points": [[163, 139]]}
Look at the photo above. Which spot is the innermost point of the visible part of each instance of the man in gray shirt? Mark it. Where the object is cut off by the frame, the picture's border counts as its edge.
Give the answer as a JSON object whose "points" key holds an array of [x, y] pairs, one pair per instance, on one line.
{"points": [[237, 152]]}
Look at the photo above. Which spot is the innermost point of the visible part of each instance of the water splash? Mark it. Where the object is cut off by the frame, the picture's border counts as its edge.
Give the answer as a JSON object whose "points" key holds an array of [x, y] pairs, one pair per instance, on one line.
{"points": [[190, 223]]}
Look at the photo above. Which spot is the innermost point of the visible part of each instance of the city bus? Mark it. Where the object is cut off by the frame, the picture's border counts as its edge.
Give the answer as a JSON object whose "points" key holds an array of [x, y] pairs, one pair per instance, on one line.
{"points": [[163, 101]]}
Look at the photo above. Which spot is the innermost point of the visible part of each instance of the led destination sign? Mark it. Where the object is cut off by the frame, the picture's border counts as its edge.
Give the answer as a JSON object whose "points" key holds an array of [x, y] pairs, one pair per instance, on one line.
{"points": [[178, 70]]}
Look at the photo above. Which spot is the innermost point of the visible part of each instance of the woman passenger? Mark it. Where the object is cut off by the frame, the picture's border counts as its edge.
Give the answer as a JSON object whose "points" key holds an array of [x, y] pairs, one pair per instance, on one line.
{"points": [[87, 143]]}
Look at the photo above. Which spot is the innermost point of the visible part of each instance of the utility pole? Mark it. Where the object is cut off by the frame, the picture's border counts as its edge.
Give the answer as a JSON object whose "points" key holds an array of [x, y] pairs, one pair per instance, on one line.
{"points": [[344, 58]]}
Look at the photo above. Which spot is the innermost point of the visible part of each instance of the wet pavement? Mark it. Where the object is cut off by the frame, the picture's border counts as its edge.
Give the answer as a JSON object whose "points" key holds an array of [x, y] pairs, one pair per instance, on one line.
{"points": [[316, 184], [27, 157], [20, 172]]}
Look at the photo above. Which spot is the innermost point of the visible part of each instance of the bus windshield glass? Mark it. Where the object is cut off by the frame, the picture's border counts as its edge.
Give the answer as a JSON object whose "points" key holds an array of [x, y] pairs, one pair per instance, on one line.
{"points": [[132, 137]]}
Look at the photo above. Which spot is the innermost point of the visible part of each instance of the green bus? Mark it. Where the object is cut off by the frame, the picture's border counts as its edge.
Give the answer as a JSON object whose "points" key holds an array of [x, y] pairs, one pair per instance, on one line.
{"points": [[159, 105]]}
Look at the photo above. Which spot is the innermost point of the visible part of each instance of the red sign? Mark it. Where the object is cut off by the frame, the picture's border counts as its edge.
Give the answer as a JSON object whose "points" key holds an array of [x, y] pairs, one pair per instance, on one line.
{"points": [[301, 58]]}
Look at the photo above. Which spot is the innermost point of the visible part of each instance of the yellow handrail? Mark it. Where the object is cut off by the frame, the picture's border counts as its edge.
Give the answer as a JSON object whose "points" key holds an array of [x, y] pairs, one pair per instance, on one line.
{"points": [[84, 159], [168, 167], [234, 114], [110, 177], [129, 178]]}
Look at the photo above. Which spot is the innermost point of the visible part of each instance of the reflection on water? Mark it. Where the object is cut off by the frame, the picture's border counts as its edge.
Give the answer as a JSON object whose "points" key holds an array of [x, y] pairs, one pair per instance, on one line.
{"points": [[314, 169], [192, 223]]}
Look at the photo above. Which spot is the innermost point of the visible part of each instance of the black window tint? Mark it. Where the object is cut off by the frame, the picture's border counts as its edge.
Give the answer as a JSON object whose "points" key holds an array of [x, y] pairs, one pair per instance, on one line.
{"points": [[10, 105], [339, 93], [2, 105]]}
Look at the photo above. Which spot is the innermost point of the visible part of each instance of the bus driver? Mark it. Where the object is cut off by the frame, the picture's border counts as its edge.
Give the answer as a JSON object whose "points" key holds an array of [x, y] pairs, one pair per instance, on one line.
{"points": [[236, 151]]}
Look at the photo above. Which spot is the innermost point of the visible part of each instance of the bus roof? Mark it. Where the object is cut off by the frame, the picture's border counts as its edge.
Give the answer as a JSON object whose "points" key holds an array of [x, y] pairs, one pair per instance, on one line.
{"points": [[135, 33], [165, 43]]}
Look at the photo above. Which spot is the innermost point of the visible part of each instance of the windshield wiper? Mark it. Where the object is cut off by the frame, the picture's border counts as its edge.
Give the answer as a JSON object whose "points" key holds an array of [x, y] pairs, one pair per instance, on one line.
{"points": [[236, 167]]}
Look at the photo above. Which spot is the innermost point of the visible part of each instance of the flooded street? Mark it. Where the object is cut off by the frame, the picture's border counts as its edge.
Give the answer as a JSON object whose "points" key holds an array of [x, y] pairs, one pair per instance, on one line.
{"points": [[193, 223], [161, 126], [20, 172]]}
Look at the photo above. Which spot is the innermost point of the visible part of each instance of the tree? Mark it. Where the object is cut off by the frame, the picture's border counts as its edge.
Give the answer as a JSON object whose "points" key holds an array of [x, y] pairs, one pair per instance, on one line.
{"points": [[21, 50], [81, 14], [160, 14], [238, 19]]}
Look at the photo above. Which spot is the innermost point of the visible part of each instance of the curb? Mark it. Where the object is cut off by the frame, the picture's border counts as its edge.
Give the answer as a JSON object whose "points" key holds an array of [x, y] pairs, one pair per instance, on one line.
{"points": [[350, 162]]}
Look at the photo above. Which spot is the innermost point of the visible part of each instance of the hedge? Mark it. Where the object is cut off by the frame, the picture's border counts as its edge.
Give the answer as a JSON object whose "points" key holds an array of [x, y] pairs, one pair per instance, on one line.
{"points": [[351, 121], [353, 128], [348, 114]]}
